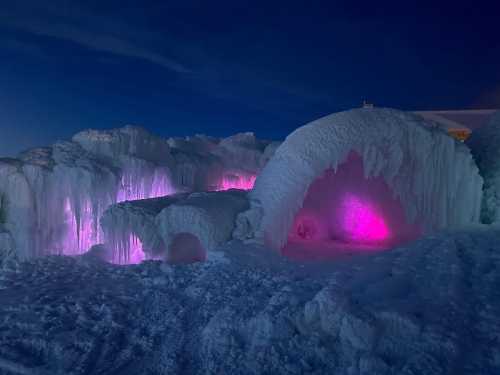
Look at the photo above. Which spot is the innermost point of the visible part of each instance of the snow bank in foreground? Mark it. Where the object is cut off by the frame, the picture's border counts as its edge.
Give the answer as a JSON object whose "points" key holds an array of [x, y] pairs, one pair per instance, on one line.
{"points": [[433, 176], [484, 143], [426, 309]]}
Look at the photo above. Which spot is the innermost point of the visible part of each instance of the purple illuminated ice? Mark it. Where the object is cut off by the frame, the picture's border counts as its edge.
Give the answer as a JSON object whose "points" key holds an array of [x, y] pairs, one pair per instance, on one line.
{"points": [[80, 231], [362, 222], [242, 181], [130, 252], [134, 187]]}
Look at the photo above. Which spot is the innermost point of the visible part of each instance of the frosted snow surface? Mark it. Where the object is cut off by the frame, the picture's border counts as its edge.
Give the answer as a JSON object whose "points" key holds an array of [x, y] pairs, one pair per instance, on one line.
{"points": [[433, 175], [484, 143], [426, 309]]}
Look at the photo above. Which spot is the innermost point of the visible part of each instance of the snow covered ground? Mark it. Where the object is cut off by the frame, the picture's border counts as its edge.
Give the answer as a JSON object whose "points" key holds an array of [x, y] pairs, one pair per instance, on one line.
{"points": [[432, 307]]}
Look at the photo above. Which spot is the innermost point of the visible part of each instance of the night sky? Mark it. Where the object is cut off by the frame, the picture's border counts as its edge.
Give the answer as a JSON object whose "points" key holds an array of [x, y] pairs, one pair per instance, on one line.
{"points": [[220, 67]]}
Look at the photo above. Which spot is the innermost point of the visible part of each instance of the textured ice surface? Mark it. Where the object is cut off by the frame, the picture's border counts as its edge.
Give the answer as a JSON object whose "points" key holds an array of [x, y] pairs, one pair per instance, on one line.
{"points": [[426, 309], [484, 143], [51, 198], [209, 216], [431, 174]]}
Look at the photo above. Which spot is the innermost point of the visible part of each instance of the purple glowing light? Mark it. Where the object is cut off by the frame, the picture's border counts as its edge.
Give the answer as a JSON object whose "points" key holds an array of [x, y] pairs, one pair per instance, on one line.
{"points": [[237, 181], [80, 234], [361, 221], [81, 229], [345, 212], [307, 227], [128, 253], [134, 187]]}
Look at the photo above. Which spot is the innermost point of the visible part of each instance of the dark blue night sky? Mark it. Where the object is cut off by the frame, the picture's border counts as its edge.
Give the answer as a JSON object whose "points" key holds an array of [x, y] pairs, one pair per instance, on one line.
{"points": [[221, 67]]}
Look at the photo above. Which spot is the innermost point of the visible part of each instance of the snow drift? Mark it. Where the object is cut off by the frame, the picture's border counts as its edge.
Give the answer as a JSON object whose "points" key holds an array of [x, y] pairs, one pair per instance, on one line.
{"points": [[430, 174], [484, 143], [430, 308]]}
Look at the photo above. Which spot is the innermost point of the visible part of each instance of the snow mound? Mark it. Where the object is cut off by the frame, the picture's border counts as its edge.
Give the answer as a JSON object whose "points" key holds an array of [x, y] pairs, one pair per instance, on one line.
{"points": [[433, 176], [210, 217], [136, 218], [129, 140], [157, 223], [427, 309], [484, 146]]}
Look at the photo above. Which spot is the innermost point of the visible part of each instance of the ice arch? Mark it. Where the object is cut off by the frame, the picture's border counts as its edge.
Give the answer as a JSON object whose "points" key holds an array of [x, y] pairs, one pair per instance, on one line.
{"points": [[186, 248], [432, 175], [344, 206]]}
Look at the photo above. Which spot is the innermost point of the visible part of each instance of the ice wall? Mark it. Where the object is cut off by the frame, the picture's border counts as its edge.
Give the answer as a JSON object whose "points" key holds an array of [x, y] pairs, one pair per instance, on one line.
{"points": [[431, 174], [52, 197], [484, 144]]}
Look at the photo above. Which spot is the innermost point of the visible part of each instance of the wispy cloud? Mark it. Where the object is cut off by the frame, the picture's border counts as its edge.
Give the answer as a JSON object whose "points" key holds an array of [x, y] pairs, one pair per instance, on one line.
{"points": [[80, 26], [23, 47]]}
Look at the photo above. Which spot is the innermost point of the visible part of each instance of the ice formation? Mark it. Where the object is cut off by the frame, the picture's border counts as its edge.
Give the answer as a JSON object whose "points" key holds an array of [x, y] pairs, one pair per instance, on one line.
{"points": [[345, 206], [200, 221], [484, 143], [433, 176], [51, 198]]}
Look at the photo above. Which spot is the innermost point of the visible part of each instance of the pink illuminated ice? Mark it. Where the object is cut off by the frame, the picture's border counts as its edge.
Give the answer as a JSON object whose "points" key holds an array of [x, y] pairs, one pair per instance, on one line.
{"points": [[81, 231], [237, 181], [361, 221], [128, 253], [133, 187]]}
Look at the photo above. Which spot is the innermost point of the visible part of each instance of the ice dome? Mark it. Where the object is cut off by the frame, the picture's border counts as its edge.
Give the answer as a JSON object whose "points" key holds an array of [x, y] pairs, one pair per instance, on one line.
{"points": [[363, 176]]}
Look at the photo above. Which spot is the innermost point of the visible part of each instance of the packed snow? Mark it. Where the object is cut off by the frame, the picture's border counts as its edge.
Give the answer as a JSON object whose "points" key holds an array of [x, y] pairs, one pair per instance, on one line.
{"points": [[428, 308]]}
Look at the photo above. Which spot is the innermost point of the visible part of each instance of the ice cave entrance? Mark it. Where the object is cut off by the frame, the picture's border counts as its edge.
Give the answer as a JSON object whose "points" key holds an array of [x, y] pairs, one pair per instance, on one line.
{"points": [[186, 248], [345, 213]]}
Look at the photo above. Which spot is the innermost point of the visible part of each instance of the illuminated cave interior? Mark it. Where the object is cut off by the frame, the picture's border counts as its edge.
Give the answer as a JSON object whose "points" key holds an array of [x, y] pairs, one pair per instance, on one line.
{"points": [[344, 212], [186, 248]]}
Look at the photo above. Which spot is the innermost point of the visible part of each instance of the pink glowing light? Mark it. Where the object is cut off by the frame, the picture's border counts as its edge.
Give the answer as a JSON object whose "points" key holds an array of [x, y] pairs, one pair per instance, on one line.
{"points": [[134, 187], [237, 181], [307, 227], [128, 253], [361, 221], [81, 231], [81, 228]]}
